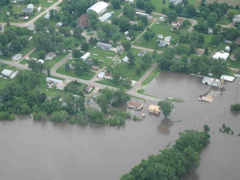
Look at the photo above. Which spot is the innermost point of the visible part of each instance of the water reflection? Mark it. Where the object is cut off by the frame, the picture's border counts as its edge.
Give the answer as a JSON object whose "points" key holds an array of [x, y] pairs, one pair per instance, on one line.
{"points": [[165, 126]]}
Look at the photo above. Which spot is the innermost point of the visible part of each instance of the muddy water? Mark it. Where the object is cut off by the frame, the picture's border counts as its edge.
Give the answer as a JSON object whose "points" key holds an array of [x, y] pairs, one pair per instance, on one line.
{"points": [[45, 150]]}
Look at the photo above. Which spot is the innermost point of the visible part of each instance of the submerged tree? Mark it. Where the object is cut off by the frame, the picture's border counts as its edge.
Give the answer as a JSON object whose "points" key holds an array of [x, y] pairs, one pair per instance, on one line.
{"points": [[166, 107]]}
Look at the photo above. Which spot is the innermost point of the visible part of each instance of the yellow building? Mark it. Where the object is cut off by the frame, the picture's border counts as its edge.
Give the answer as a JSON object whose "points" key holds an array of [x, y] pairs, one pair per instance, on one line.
{"points": [[154, 109]]}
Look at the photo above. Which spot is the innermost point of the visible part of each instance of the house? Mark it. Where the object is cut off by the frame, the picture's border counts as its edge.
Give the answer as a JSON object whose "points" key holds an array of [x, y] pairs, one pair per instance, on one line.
{"points": [[177, 24], [50, 84], [108, 76], [89, 88], [30, 6], [154, 109], [208, 80], [162, 43], [125, 59], [236, 18], [199, 51], [59, 24], [175, 1], [131, 1], [83, 21], [98, 7], [17, 57], [106, 16], [101, 75], [40, 61], [26, 10], [167, 40], [237, 41], [134, 105], [50, 56], [227, 48], [95, 68], [7, 72], [104, 46], [142, 53], [162, 18], [221, 55], [86, 56], [141, 14]]}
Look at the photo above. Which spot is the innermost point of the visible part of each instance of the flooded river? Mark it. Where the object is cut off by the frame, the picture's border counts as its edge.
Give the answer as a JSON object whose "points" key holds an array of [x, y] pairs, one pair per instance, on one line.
{"points": [[44, 150]]}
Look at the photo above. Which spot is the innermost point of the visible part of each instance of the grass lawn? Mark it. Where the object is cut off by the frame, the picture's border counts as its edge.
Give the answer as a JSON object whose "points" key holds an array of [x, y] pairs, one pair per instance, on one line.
{"points": [[108, 82], [100, 54], [234, 64], [130, 72], [151, 77], [161, 28], [86, 76], [224, 20]]}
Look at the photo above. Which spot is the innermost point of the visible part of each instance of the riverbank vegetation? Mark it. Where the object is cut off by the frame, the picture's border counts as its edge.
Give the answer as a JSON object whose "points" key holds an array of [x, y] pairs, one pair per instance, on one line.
{"points": [[173, 162]]}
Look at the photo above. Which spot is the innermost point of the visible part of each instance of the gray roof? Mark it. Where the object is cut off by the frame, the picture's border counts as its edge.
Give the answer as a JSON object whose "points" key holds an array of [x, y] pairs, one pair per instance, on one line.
{"points": [[27, 10], [104, 46]]}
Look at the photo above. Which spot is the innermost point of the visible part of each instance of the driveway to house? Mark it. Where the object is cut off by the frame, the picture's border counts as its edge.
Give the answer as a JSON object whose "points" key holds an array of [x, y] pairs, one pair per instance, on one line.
{"points": [[145, 49]]}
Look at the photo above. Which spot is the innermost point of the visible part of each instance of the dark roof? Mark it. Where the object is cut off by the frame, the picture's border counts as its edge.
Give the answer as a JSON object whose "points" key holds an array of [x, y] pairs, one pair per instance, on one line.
{"points": [[82, 21]]}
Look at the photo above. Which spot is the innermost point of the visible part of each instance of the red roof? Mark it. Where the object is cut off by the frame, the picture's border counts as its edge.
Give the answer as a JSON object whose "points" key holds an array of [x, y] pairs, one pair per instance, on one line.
{"points": [[108, 74], [200, 51], [83, 20]]}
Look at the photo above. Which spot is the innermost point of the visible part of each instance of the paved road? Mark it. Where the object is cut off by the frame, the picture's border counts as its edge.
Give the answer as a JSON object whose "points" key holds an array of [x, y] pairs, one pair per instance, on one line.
{"points": [[54, 6]]}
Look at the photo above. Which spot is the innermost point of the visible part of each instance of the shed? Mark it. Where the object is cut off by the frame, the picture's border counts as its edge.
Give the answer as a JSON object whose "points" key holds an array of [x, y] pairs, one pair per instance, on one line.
{"points": [[134, 105], [86, 56], [59, 24], [98, 7], [108, 76], [154, 109], [7, 72], [106, 16], [17, 57], [104, 46], [50, 56]]}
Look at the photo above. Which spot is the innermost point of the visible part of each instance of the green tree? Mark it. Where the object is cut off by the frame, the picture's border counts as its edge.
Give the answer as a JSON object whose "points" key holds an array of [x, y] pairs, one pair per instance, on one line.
{"points": [[116, 4], [148, 35], [129, 11], [116, 37], [166, 107], [76, 53], [149, 7], [126, 45], [85, 46]]}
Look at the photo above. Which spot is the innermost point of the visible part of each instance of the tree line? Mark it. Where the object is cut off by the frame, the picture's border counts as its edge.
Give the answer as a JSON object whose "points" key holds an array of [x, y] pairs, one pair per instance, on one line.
{"points": [[172, 163]]}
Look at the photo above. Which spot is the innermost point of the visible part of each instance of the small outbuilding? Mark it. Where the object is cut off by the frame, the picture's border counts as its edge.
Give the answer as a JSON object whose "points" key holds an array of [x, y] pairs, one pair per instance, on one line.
{"points": [[125, 59], [154, 109], [199, 51], [86, 56], [17, 57], [89, 88], [106, 16], [14, 75], [7, 72], [141, 54], [134, 105]]}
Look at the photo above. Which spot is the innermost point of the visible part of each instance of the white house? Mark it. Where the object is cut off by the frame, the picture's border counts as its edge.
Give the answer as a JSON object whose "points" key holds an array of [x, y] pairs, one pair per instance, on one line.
{"points": [[227, 78], [221, 55], [98, 7], [86, 56], [7, 72], [17, 57], [236, 18], [101, 75]]}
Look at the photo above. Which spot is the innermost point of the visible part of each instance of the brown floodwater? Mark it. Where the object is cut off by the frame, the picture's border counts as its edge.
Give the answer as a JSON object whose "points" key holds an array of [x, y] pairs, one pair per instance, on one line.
{"points": [[45, 150]]}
